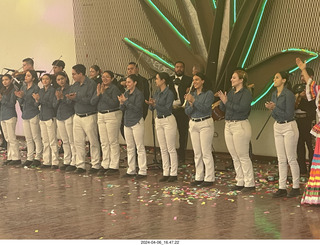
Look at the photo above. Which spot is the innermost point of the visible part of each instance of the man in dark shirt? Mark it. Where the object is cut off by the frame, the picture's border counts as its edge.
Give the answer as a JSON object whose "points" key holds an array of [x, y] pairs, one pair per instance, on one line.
{"points": [[85, 119], [142, 85], [57, 66], [180, 85], [305, 113]]}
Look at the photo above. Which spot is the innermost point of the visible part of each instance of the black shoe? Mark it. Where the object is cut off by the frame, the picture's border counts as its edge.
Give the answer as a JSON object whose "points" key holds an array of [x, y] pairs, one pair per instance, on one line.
{"points": [[206, 184], [27, 163], [112, 171], [63, 167], [101, 172], [45, 166], [196, 183], [36, 163], [280, 193], [54, 167], [237, 188], [164, 179], [140, 176], [173, 179], [128, 175], [295, 192], [6, 162], [93, 170], [71, 168], [14, 162], [80, 171], [248, 189]]}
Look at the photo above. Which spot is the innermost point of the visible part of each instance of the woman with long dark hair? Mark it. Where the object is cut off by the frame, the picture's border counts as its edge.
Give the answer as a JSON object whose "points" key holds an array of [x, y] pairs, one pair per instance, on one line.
{"points": [[201, 128], [166, 126], [30, 118], [65, 115], [286, 134], [9, 120]]}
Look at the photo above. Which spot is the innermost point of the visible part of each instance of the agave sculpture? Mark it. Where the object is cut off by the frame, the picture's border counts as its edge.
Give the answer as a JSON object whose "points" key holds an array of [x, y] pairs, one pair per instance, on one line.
{"points": [[198, 41]]}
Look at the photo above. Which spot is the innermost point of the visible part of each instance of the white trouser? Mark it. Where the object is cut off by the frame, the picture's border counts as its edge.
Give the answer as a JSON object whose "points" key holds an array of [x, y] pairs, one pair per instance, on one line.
{"points": [[286, 139], [50, 142], [238, 136], [135, 139], [82, 127], [201, 134], [9, 133], [109, 129], [65, 129], [31, 128], [166, 132]]}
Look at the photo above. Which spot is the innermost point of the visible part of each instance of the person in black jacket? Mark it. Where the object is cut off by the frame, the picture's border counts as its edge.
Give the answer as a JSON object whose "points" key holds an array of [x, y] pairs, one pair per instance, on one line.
{"points": [[180, 85], [305, 113]]}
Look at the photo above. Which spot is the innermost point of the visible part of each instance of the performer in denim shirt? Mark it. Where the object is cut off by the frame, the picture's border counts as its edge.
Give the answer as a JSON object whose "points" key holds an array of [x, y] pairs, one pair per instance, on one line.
{"points": [[131, 103], [48, 125], [166, 127], [286, 134], [201, 128], [9, 121], [30, 118]]}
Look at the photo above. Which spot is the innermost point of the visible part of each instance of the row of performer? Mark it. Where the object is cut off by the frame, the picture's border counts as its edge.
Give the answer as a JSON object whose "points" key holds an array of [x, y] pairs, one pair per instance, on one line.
{"points": [[96, 111]]}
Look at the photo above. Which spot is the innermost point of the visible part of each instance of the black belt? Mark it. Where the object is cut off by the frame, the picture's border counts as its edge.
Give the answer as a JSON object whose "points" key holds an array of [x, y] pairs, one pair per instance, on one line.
{"points": [[285, 121], [200, 119], [164, 116], [86, 114], [107, 111]]}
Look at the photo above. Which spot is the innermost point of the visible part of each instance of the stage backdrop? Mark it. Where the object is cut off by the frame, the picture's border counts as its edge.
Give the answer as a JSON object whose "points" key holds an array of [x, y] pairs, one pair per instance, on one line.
{"points": [[101, 25], [39, 29]]}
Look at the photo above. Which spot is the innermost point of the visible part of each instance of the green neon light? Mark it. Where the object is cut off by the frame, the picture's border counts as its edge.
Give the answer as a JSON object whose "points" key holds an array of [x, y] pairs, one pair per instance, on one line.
{"points": [[234, 11], [154, 56], [294, 69], [168, 21], [214, 4], [255, 33]]}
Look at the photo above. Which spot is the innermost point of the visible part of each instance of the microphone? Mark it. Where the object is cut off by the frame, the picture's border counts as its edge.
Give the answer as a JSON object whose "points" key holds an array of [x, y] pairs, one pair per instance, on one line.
{"points": [[119, 75]]}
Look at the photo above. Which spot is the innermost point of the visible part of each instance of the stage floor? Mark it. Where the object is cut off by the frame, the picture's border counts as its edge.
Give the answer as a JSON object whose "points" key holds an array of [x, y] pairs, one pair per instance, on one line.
{"points": [[51, 204]]}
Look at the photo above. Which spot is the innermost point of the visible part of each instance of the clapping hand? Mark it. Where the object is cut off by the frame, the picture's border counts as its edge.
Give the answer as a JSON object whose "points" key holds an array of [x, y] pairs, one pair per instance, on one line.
{"points": [[223, 96], [122, 99], [71, 96], [59, 95], [270, 105], [19, 94], [151, 102], [36, 97]]}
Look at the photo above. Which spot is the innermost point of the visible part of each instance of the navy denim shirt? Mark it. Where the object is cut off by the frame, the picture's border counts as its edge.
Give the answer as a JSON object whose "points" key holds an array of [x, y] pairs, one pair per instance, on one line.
{"points": [[133, 107], [64, 107], [8, 106], [285, 102], [47, 110], [84, 95], [164, 100], [202, 106], [28, 106], [238, 106], [108, 100]]}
